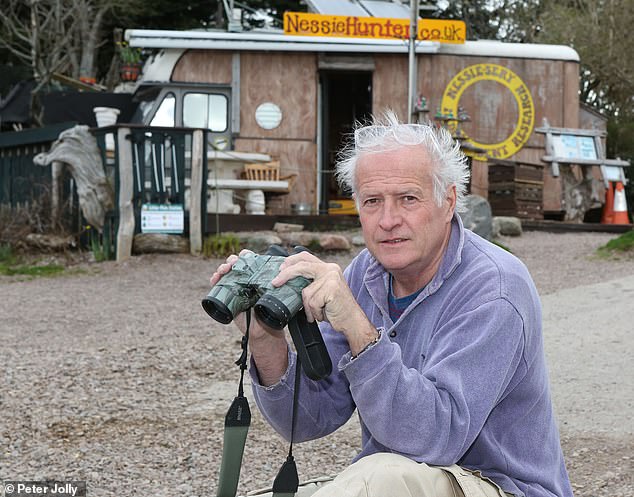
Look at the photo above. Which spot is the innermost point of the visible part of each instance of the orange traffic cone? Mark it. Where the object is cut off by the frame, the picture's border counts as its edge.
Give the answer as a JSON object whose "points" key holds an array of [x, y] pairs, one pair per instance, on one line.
{"points": [[608, 208], [620, 205]]}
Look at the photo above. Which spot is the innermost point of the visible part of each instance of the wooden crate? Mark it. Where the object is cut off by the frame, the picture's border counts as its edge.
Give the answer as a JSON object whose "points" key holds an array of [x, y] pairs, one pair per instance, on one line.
{"points": [[516, 189]]}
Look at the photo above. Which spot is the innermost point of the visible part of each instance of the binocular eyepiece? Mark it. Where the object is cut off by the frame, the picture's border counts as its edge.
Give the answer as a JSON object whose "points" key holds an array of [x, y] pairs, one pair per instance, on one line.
{"points": [[248, 284]]}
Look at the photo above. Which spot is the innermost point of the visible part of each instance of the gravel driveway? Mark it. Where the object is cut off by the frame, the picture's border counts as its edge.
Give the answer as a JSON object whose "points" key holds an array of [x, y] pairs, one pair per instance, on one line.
{"points": [[113, 374]]}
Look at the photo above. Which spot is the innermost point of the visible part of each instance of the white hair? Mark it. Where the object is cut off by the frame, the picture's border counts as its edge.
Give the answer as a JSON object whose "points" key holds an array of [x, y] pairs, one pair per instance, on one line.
{"points": [[449, 164]]}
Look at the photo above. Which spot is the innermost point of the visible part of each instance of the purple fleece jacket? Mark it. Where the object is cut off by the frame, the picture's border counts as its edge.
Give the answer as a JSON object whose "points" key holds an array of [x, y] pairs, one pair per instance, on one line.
{"points": [[460, 378]]}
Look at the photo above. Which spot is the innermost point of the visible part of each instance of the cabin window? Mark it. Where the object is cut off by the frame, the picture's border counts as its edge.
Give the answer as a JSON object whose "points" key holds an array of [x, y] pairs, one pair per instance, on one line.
{"points": [[205, 110], [165, 114]]}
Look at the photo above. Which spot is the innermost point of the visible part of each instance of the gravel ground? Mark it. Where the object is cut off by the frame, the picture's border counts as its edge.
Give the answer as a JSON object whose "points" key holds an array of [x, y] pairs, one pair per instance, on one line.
{"points": [[114, 375]]}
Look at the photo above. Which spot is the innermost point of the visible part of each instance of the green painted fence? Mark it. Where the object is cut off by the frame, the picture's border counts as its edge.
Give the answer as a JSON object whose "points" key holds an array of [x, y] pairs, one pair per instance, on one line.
{"points": [[21, 181]]}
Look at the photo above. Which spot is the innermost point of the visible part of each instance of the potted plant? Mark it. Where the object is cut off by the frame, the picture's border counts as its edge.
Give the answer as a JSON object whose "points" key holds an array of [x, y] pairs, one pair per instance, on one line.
{"points": [[130, 62]]}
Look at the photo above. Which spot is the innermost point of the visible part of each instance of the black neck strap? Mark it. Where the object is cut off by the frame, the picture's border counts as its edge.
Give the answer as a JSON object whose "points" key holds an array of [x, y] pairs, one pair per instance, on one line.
{"points": [[243, 360], [287, 481], [239, 418]]}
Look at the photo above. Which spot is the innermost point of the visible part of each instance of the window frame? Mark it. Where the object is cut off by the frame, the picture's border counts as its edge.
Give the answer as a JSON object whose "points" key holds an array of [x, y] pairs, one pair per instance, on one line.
{"points": [[180, 91]]}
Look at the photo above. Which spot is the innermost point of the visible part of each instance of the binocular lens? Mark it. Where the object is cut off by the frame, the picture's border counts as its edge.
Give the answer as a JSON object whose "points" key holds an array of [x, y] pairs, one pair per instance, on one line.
{"points": [[217, 310], [272, 312]]}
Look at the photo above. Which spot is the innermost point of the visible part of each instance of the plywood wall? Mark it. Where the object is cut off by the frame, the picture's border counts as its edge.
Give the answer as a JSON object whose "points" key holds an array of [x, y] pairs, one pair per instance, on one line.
{"points": [[290, 81], [286, 79], [203, 66], [492, 107], [389, 85]]}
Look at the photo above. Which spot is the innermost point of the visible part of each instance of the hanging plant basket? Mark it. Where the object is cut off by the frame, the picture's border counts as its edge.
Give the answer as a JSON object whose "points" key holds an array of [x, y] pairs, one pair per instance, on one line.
{"points": [[129, 72]]}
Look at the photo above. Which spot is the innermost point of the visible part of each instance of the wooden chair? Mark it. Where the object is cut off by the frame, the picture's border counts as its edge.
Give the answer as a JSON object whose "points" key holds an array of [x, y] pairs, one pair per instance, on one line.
{"points": [[267, 171]]}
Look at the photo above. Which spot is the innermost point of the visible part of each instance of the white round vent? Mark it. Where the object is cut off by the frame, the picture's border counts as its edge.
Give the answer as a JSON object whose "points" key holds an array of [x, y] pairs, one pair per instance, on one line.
{"points": [[268, 115]]}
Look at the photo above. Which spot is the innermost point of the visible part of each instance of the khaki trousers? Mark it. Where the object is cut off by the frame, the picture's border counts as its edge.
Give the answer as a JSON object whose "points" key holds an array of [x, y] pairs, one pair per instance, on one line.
{"points": [[392, 475]]}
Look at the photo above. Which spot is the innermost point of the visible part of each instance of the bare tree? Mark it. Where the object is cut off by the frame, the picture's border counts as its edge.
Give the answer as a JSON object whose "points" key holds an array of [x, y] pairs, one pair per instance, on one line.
{"points": [[599, 32], [89, 35], [55, 36], [37, 32]]}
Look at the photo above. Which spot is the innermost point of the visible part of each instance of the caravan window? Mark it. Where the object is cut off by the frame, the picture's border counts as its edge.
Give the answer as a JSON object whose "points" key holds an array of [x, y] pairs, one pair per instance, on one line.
{"points": [[205, 110], [165, 114], [191, 107]]}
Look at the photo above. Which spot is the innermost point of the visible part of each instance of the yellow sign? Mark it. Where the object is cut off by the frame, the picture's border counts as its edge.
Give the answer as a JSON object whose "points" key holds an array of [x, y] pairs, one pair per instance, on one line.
{"points": [[302, 24], [526, 110]]}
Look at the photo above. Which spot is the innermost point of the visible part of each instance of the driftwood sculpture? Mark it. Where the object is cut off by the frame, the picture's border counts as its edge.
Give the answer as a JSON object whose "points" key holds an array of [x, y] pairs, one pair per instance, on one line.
{"points": [[581, 191], [76, 148]]}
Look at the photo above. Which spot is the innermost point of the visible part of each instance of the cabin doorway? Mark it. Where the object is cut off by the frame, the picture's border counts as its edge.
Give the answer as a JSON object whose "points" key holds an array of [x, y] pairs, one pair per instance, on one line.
{"points": [[346, 97]]}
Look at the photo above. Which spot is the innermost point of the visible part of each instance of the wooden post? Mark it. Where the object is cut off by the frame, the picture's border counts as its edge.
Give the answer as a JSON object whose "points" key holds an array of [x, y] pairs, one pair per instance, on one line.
{"points": [[411, 86], [56, 179], [195, 194], [125, 233]]}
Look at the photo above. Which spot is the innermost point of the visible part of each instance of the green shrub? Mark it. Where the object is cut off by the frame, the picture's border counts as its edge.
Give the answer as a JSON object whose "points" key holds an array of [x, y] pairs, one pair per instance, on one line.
{"points": [[221, 245], [314, 245], [7, 257], [99, 245]]}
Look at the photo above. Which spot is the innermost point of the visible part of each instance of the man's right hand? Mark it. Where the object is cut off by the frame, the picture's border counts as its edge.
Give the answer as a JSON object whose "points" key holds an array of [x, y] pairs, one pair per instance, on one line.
{"points": [[268, 345]]}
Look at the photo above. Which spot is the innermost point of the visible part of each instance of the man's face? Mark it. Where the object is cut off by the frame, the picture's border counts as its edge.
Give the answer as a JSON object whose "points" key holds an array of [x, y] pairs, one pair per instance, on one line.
{"points": [[403, 227]]}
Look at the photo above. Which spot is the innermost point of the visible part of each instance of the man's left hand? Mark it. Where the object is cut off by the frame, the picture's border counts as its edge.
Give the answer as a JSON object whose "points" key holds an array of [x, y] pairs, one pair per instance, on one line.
{"points": [[328, 298]]}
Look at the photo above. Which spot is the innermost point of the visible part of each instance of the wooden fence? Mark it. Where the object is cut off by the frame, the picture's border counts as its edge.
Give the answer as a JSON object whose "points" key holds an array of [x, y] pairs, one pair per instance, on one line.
{"points": [[21, 181], [147, 165]]}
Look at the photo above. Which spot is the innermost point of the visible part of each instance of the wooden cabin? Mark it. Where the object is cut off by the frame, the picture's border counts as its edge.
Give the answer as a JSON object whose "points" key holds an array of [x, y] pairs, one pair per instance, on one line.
{"points": [[295, 99]]}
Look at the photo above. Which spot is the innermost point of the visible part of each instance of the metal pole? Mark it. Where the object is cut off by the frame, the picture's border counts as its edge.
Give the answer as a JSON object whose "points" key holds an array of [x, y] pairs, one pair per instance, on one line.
{"points": [[413, 31]]}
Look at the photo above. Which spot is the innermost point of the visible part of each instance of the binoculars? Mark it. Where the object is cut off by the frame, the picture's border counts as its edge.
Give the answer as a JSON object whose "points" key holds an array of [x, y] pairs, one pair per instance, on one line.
{"points": [[248, 285]]}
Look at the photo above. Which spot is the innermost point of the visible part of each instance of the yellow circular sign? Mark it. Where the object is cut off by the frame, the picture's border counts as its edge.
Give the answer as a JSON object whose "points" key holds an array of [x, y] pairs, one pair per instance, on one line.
{"points": [[526, 110]]}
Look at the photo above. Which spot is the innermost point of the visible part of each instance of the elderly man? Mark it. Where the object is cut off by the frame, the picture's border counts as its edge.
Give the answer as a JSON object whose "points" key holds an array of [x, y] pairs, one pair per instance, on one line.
{"points": [[435, 332]]}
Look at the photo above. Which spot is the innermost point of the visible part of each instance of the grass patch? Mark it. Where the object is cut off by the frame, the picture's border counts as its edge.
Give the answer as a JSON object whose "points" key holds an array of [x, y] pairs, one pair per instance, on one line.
{"points": [[11, 265], [47, 270], [620, 244]]}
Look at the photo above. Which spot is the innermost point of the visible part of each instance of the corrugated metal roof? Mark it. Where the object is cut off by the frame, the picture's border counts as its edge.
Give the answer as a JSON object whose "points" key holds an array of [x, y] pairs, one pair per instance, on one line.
{"points": [[336, 8], [360, 8]]}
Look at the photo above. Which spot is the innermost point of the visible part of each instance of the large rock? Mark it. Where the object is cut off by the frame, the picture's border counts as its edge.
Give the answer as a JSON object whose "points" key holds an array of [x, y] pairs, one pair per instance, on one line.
{"points": [[258, 241], [303, 238], [478, 217], [334, 242], [287, 227], [507, 226], [358, 240]]}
